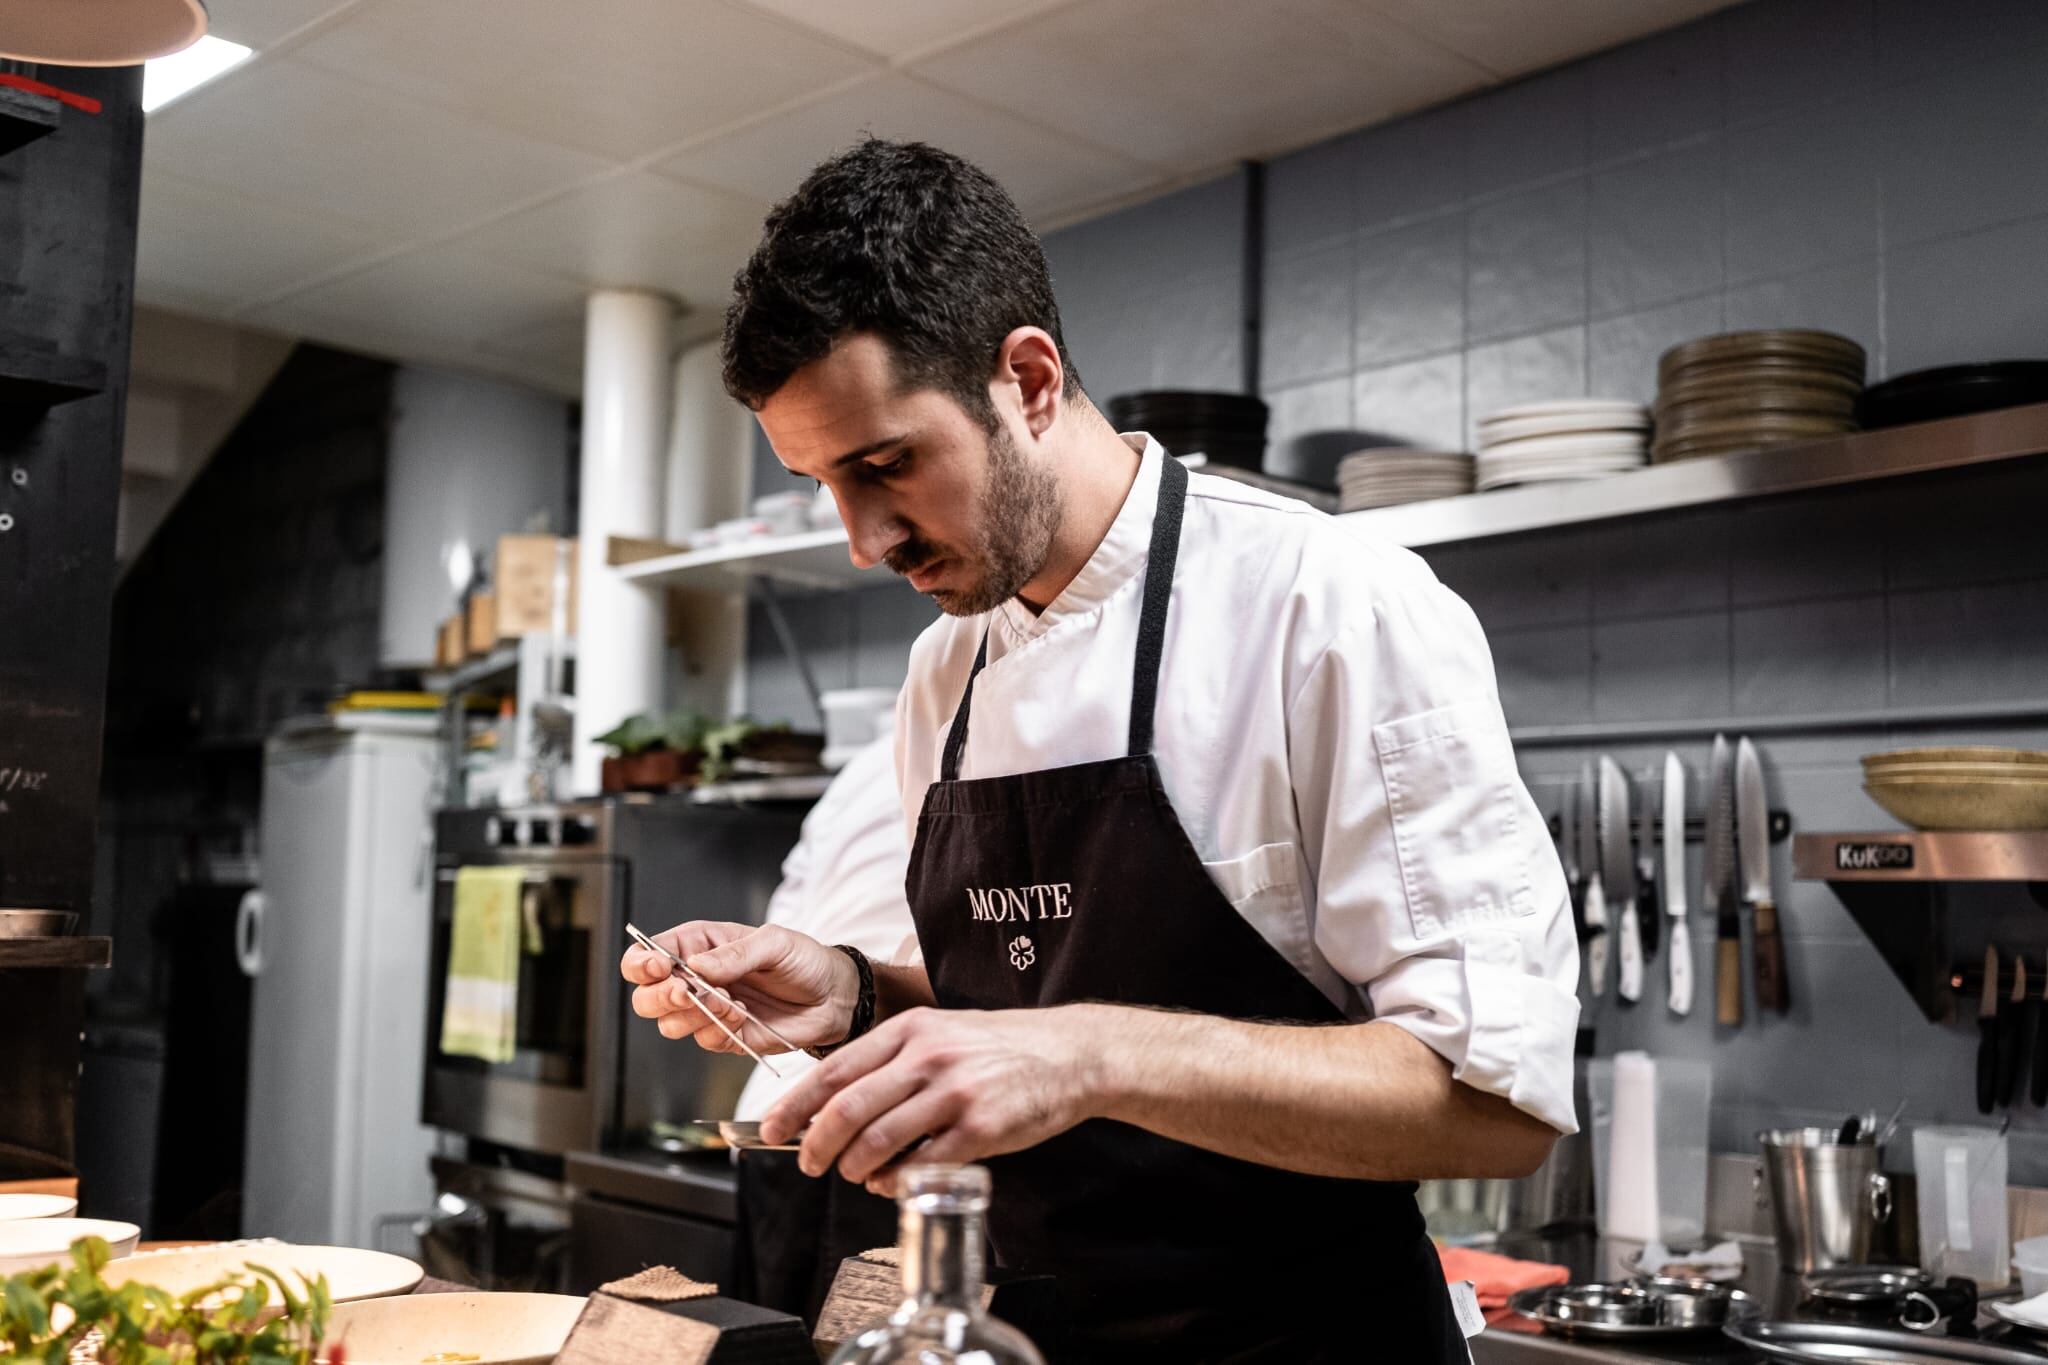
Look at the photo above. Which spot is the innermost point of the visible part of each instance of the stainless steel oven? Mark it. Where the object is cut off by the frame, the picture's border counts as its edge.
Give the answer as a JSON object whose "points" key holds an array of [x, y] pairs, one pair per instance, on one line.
{"points": [[587, 1075], [556, 1092]]}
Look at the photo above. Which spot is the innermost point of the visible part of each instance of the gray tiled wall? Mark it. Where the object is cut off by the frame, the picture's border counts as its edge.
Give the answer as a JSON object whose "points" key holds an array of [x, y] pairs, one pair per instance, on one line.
{"points": [[1875, 167]]}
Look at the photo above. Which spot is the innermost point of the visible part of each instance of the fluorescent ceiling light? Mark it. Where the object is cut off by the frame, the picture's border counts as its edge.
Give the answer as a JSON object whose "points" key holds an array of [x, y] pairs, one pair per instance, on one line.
{"points": [[167, 78]]}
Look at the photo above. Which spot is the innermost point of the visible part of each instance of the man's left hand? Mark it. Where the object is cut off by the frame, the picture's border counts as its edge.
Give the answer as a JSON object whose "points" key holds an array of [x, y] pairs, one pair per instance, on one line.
{"points": [[976, 1083]]}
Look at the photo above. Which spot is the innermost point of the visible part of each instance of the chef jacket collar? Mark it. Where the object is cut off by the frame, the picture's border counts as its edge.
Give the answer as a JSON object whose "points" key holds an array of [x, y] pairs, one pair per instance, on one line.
{"points": [[1116, 560]]}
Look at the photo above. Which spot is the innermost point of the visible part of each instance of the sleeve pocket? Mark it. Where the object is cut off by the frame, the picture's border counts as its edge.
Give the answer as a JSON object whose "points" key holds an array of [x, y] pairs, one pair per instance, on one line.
{"points": [[1452, 794]]}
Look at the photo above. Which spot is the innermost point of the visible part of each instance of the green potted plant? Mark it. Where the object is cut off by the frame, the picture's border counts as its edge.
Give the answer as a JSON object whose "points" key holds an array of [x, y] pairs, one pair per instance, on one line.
{"points": [[653, 752]]}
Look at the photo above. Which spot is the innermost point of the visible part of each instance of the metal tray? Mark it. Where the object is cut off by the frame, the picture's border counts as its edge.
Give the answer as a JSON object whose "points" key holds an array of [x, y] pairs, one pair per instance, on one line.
{"points": [[1820, 1343], [1535, 1304]]}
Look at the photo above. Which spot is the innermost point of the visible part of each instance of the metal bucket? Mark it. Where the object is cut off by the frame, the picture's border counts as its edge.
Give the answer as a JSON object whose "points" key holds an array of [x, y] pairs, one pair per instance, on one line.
{"points": [[1827, 1199]]}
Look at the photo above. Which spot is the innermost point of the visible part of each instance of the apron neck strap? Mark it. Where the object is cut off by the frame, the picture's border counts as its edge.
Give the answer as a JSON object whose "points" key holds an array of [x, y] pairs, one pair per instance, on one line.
{"points": [[1159, 565], [1159, 562]]}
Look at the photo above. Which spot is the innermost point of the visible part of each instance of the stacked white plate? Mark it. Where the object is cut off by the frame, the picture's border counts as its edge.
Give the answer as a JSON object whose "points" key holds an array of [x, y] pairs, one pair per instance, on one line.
{"points": [[1388, 475], [1565, 438]]}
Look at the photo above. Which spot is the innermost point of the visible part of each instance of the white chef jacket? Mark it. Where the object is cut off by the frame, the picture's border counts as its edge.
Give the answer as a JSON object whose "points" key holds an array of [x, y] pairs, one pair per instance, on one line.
{"points": [[842, 883], [1330, 734]]}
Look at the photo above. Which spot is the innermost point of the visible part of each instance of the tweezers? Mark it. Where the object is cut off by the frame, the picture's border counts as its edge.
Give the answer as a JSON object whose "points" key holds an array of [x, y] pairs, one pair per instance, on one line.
{"points": [[697, 985]]}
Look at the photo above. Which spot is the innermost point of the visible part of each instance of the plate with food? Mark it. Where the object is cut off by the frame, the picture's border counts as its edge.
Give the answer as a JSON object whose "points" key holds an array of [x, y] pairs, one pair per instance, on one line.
{"points": [[452, 1329]]}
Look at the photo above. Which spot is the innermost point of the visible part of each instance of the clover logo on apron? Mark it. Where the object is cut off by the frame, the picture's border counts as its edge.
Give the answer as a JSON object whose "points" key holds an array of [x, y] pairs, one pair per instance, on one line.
{"points": [[1022, 954]]}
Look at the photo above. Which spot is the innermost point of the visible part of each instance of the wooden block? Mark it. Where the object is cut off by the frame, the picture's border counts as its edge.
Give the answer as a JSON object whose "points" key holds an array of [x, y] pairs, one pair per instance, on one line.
{"points": [[523, 579], [693, 1331], [64, 1185]]}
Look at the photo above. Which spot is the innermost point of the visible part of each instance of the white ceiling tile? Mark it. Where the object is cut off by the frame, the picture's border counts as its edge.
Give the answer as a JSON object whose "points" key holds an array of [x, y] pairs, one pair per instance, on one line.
{"points": [[453, 297], [261, 23], [895, 28], [1191, 84], [1538, 33], [325, 146], [621, 78], [1045, 172], [195, 239], [633, 229]]}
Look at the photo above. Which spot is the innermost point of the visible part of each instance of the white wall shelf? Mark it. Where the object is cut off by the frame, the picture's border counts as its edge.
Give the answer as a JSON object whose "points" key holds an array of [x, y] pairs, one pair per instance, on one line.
{"points": [[810, 559], [1955, 442]]}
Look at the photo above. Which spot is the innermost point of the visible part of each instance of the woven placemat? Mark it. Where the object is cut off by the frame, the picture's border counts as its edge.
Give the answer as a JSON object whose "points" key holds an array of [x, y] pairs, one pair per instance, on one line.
{"points": [[659, 1284]]}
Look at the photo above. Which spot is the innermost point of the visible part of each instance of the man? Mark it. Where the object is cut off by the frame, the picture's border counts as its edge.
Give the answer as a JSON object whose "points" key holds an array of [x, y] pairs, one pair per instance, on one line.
{"points": [[842, 883], [1235, 913]]}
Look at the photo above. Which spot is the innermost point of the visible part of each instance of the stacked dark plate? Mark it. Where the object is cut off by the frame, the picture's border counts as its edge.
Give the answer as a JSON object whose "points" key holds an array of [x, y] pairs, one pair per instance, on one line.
{"points": [[1742, 390], [1230, 428], [1952, 391]]}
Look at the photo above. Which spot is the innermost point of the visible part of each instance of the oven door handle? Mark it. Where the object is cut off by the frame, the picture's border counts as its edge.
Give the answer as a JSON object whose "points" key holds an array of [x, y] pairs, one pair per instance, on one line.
{"points": [[249, 933]]}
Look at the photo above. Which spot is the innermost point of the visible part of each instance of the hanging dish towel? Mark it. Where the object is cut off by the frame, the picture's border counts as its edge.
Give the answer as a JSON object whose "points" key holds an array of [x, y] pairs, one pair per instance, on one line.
{"points": [[482, 1008]]}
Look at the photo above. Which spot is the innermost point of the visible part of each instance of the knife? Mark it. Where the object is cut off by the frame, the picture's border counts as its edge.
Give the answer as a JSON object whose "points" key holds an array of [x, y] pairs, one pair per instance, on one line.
{"points": [[2038, 1025], [1987, 1033], [1618, 875], [2013, 1034], [1596, 899], [1674, 885], [1643, 835], [1718, 885], [1754, 814]]}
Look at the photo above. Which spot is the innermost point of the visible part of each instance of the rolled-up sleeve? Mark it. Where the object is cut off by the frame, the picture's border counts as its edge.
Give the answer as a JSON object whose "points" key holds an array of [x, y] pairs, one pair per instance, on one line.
{"points": [[1437, 888]]}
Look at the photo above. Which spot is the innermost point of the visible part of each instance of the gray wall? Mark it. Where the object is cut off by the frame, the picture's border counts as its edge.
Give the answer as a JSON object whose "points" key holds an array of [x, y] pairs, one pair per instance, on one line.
{"points": [[1876, 167]]}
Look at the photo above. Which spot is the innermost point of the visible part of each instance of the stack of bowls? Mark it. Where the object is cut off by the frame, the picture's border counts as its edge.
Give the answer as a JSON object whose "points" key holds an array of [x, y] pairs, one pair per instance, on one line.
{"points": [[1386, 476], [1564, 438], [1229, 428], [1974, 787], [1743, 390]]}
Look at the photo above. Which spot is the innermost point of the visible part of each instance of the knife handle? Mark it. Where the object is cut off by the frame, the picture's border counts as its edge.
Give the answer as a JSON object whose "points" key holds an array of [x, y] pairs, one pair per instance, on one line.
{"points": [[1771, 993], [1987, 1063], [2013, 1036], [1650, 909], [1681, 972], [1630, 987], [1728, 981]]}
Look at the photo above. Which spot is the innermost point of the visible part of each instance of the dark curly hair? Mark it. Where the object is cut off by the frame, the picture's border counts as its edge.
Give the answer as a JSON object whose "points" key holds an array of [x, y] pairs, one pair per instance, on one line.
{"points": [[903, 240]]}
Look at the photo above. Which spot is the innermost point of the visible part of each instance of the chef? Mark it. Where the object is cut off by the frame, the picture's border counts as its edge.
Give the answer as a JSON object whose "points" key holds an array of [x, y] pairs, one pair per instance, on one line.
{"points": [[843, 883], [1233, 915]]}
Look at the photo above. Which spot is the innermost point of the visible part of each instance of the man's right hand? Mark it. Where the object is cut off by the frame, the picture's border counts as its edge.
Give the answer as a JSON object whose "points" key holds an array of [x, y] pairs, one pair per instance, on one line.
{"points": [[802, 988]]}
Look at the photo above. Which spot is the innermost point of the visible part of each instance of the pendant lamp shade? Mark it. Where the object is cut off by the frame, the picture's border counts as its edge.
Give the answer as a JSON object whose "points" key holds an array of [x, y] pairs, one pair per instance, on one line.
{"points": [[98, 32]]}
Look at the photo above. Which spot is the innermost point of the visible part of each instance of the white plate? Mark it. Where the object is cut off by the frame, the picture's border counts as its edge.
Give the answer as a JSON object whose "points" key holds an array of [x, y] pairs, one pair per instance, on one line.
{"points": [[1551, 407], [30, 1243], [492, 1329], [352, 1273], [1579, 443], [1510, 478], [1521, 428], [13, 1206]]}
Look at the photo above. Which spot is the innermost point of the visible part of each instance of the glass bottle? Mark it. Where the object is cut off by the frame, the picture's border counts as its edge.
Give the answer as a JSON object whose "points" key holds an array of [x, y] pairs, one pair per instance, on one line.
{"points": [[941, 1319]]}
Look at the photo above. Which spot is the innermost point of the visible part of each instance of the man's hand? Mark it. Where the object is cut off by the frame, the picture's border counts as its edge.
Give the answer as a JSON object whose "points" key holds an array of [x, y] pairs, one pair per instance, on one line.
{"points": [[976, 1083], [800, 987]]}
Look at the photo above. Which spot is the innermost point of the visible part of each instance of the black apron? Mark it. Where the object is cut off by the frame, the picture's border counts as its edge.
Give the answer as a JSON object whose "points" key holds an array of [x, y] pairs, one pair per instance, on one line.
{"points": [[1079, 884], [792, 1232]]}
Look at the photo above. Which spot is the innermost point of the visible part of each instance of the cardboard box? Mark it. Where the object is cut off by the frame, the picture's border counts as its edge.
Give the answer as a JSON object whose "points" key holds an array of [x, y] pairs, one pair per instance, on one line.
{"points": [[523, 582], [448, 647], [482, 632]]}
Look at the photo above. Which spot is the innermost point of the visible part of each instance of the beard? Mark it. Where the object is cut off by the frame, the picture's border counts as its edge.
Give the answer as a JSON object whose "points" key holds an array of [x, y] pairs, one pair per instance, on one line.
{"points": [[1019, 515]]}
